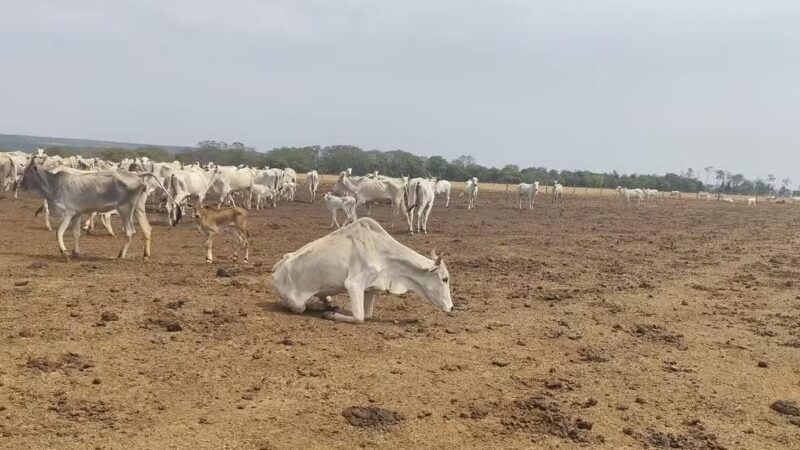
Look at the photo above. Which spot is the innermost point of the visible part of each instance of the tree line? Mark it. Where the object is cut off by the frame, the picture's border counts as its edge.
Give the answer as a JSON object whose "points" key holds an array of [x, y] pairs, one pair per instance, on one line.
{"points": [[333, 159]]}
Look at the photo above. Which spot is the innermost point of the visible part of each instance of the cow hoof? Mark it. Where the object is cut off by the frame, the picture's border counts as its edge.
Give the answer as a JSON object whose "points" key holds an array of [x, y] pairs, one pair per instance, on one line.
{"points": [[245, 261], [75, 255], [328, 315], [208, 261]]}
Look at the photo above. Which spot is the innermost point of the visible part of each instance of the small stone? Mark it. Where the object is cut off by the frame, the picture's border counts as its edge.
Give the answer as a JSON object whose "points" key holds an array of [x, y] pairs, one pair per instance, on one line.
{"points": [[763, 364], [287, 341], [224, 272], [96, 381], [21, 283], [113, 290], [640, 401], [583, 424], [500, 363]]}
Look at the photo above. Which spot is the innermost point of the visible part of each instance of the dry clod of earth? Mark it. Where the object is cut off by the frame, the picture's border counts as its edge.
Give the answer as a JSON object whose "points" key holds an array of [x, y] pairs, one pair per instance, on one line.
{"points": [[21, 283], [37, 265], [225, 272], [371, 416], [64, 363], [109, 316], [786, 407], [167, 323]]}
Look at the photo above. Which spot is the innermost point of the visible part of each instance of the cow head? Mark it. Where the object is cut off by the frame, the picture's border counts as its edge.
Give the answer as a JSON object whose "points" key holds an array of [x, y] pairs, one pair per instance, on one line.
{"points": [[436, 284]]}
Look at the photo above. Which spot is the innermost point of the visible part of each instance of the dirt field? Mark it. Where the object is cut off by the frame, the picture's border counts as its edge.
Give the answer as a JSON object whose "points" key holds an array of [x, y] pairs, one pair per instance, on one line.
{"points": [[676, 325]]}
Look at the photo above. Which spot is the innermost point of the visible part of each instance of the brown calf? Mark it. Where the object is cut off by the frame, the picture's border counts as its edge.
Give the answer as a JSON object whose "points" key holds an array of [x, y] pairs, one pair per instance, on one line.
{"points": [[210, 221]]}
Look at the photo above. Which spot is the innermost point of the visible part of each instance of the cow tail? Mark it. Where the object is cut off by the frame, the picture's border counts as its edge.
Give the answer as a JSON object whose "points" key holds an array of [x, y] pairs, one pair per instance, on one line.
{"points": [[416, 197]]}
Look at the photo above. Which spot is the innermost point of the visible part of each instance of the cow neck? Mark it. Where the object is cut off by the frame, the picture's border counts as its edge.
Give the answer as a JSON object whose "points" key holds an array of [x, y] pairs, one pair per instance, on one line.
{"points": [[43, 184]]}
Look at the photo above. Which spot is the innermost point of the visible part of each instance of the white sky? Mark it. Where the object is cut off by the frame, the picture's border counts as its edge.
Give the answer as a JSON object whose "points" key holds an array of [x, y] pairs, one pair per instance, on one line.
{"points": [[637, 85]]}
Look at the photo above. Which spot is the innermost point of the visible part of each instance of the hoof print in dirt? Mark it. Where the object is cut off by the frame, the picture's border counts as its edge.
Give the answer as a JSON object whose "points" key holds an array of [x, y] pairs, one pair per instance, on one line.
{"points": [[786, 407], [371, 416], [225, 272]]}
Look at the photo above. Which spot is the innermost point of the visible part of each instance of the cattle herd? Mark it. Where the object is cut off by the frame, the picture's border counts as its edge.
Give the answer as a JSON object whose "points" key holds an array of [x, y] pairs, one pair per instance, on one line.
{"points": [[359, 259]]}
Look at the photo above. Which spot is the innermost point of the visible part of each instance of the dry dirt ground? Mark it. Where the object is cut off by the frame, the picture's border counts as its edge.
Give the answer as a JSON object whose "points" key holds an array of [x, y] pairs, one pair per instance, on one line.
{"points": [[582, 324]]}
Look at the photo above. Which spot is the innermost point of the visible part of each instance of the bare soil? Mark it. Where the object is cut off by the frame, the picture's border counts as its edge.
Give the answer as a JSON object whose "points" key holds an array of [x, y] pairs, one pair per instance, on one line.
{"points": [[578, 325]]}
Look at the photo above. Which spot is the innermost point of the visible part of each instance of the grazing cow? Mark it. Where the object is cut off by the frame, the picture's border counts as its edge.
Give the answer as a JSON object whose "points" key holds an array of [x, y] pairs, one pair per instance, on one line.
{"points": [[527, 190], [375, 190], [471, 191], [675, 194], [443, 188], [263, 193], [211, 221], [558, 191], [361, 260], [421, 193], [8, 173], [312, 179], [627, 194], [72, 194], [346, 204], [751, 201]]}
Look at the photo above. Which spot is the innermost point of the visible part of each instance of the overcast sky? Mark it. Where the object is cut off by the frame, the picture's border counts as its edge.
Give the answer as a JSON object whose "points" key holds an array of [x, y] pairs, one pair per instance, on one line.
{"points": [[635, 85]]}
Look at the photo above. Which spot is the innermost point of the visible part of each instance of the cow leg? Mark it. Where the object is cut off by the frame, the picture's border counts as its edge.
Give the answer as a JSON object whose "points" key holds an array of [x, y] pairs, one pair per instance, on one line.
{"points": [[141, 218], [105, 219], [425, 220], [369, 302], [65, 221], [47, 216], [76, 236], [89, 224], [126, 215], [333, 219], [356, 307], [447, 203], [209, 242]]}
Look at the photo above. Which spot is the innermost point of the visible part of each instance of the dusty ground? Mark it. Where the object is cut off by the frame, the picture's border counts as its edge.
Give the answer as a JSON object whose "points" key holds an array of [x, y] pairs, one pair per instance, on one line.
{"points": [[578, 325]]}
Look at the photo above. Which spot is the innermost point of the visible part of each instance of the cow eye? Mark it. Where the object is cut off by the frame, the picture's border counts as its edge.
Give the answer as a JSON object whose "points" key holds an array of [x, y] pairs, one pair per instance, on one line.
{"points": [[445, 279]]}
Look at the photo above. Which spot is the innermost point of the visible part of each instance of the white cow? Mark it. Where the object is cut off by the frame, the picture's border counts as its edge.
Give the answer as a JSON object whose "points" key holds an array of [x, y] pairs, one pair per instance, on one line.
{"points": [[627, 194], [230, 180], [8, 173], [795, 199], [727, 199], [264, 193], [421, 193], [675, 194], [751, 201], [72, 194], [650, 194], [369, 191], [558, 191], [471, 191], [361, 260], [443, 188], [529, 191], [312, 180], [704, 195], [287, 189], [346, 204], [186, 184]]}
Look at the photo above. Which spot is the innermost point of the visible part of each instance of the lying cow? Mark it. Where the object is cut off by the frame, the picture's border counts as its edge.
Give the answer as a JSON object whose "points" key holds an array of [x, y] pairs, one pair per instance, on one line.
{"points": [[361, 260]]}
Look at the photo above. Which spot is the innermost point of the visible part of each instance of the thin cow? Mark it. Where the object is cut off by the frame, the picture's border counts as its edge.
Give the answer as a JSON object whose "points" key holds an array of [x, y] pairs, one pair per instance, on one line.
{"points": [[72, 194], [361, 260]]}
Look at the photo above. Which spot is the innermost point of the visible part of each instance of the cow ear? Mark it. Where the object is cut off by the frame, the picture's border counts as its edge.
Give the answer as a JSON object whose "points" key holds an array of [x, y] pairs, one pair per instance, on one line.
{"points": [[433, 254]]}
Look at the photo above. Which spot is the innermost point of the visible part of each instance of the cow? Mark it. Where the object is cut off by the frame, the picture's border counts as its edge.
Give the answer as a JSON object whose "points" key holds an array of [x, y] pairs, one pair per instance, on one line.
{"points": [[346, 204], [369, 191], [675, 194], [751, 201], [527, 190], [627, 194], [650, 194], [443, 188], [72, 194], [471, 191], [185, 184], [312, 180], [211, 222], [421, 193], [8, 174], [264, 193], [704, 195], [558, 191], [229, 180], [361, 260], [287, 189]]}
